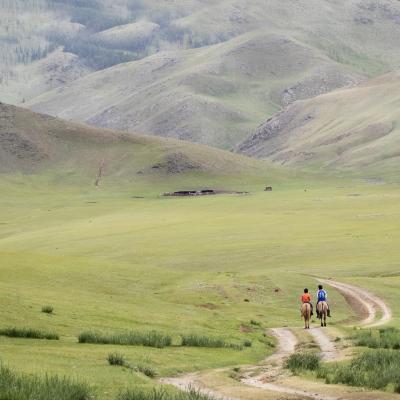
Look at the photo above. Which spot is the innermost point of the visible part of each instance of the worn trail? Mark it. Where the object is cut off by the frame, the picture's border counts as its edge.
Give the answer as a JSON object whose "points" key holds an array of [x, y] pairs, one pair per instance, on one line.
{"points": [[372, 309], [364, 302]]}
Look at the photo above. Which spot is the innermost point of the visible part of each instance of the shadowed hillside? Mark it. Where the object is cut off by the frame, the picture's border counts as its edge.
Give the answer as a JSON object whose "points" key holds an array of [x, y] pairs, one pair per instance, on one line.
{"points": [[355, 129], [39, 144]]}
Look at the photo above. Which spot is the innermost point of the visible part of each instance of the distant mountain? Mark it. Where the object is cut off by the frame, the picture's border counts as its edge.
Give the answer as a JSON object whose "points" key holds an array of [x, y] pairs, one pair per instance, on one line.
{"points": [[354, 129], [209, 95], [207, 72]]}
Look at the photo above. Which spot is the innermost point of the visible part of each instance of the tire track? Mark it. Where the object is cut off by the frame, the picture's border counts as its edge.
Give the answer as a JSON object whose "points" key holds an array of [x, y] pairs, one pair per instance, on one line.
{"points": [[362, 301], [329, 351]]}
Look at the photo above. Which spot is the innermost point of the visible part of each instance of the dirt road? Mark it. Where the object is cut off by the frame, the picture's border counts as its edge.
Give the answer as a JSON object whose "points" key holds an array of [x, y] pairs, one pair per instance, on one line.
{"points": [[373, 312]]}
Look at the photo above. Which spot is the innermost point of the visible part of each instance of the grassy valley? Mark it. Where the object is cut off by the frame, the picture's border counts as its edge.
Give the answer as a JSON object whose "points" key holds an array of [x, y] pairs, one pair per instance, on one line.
{"points": [[115, 287], [113, 262]]}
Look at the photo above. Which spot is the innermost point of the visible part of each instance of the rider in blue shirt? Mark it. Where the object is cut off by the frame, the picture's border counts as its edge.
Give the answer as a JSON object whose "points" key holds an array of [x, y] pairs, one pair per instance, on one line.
{"points": [[322, 295]]}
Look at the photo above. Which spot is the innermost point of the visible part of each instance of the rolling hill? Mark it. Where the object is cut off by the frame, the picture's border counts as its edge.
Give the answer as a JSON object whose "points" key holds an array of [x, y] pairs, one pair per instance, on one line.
{"points": [[353, 129], [206, 72], [211, 95], [35, 144]]}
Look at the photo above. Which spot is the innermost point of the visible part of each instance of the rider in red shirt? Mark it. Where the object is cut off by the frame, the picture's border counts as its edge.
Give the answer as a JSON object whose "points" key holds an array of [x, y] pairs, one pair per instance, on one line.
{"points": [[306, 298]]}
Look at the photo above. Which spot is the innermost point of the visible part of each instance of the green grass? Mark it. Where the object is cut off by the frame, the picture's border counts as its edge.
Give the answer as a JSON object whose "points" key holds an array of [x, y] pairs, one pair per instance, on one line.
{"points": [[47, 309], [135, 394], [195, 340], [375, 369], [299, 362], [150, 339], [28, 333], [147, 370], [108, 262], [116, 359], [388, 338], [15, 386]]}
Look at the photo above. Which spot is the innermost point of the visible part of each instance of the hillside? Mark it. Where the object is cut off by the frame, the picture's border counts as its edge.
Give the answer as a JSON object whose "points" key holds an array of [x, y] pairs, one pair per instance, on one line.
{"points": [[211, 95], [353, 129], [38, 144], [207, 72]]}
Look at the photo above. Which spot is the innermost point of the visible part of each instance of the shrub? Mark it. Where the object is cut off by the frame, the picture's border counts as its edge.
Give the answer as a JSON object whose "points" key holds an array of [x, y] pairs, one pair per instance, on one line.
{"points": [[195, 340], [159, 394], [388, 338], [247, 343], [116, 359], [23, 387], [150, 339], [47, 309], [146, 370], [27, 333], [302, 361], [255, 323], [375, 369]]}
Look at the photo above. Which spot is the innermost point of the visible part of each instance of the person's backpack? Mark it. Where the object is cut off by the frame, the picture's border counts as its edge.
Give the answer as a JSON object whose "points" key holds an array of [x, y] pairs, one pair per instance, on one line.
{"points": [[321, 295]]}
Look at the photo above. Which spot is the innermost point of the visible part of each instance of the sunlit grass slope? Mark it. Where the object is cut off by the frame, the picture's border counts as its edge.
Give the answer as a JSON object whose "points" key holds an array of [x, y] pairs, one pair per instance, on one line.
{"points": [[353, 130], [109, 262]]}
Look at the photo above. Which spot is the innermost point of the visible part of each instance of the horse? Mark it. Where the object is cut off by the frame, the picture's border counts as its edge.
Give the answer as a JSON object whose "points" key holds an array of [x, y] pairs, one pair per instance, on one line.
{"points": [[306, 314], [322, 310]]}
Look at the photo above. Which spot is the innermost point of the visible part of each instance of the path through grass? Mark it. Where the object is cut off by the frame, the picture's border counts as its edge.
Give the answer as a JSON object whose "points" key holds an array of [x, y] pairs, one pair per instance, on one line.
{"points": [[108, 262]]}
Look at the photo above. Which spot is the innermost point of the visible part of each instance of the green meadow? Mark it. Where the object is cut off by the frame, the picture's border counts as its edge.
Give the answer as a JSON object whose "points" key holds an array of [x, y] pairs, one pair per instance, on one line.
{"points": [[118, 259]]}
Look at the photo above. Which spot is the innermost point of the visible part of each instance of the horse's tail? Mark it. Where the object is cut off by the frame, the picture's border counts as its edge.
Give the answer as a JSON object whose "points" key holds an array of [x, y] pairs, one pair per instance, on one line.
{"points": [[322, 308], [306, 310]]}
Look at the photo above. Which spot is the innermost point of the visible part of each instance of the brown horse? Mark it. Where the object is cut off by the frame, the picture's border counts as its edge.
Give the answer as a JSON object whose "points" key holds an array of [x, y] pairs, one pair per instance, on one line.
{"points": [[322, 311], [306, 314]]}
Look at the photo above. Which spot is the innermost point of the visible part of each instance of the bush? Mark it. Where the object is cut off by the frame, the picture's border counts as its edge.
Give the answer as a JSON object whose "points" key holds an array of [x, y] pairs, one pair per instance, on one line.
{"points": [[255, 323], [146, 370], [194, 340], [23, 387], [247, 343], [375, 369], [150, 339], [116, 359], [388, 338], [302, 361], [157, 394], [27, 333], [47, 309]]}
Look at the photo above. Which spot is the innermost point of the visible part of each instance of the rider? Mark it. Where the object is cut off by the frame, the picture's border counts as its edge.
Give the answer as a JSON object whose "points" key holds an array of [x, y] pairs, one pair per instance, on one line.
{"points": [[306, 298], [322, 295]]}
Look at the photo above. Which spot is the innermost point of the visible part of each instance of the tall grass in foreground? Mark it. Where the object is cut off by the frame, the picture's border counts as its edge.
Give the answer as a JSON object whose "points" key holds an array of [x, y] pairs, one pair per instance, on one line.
{"points": [[150, 339], [158, 394], [206, 341], [27, 333], [302, 362], [23, 387], [388, 338], [375, 369]]}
